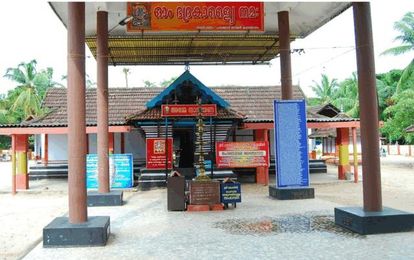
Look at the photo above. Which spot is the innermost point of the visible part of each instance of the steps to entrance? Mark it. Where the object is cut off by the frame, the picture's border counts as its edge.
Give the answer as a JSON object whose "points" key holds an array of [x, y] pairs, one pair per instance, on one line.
{"points": [[59, 169]]}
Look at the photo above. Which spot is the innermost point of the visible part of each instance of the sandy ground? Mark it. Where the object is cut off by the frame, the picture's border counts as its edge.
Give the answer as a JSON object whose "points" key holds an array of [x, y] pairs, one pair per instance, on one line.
{"points": [[24, 215]]}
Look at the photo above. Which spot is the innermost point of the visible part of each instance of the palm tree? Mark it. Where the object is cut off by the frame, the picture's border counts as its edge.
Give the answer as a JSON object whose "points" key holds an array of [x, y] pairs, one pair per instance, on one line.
{"points": [[346, 97], [31, 87], [325, 90], [126, 72], [406, 28]]}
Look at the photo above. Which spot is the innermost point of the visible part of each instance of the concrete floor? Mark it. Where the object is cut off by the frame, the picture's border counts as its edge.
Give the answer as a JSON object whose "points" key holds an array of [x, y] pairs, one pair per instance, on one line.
{"points": [[259, 227]]}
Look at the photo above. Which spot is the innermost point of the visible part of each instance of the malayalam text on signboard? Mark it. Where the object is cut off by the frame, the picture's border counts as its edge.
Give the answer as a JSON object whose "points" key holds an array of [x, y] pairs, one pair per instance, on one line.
{"points": [[242, 154], [230, 192], [194, 16], [291, 143], [156, 153], [188, 110], [120, 171]]}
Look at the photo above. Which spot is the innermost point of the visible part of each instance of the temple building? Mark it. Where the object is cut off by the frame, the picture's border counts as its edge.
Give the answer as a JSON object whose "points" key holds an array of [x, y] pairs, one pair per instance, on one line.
{"points": [[243, 114]]}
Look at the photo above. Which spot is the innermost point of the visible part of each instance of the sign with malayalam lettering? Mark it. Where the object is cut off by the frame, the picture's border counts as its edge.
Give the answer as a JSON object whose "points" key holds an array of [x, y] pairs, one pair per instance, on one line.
{"points": [[242, 154], [204, 192], [120, 171], [156, 153], [230, 192], [291, 143], [188, 110], [194, 16]]}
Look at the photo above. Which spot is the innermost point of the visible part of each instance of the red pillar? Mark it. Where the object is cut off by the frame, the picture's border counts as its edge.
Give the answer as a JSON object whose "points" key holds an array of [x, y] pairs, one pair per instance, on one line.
{"points": [[45, 154], [22, 178], [102, 101], [111, 143], [262, 173], [78, 212], [342, 142], [284, 49], [13, 164], [368, 107], [398, 149]]}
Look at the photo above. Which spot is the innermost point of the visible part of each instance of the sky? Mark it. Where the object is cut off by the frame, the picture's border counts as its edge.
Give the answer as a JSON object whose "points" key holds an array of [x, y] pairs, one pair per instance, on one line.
{"points": [[31, 30]]}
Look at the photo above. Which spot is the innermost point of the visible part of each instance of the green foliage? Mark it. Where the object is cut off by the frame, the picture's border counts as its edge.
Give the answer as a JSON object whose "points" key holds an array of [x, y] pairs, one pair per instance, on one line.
{"points": [[400, 116], [325, 89], [167, 82], [24, 101], [405, 27], [346, 97], [150, 84]]}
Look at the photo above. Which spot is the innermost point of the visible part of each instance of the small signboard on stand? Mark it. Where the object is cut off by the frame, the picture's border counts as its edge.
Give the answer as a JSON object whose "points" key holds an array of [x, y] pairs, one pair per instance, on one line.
{"points": [[120, 171], [230, 192], [158, 149]]}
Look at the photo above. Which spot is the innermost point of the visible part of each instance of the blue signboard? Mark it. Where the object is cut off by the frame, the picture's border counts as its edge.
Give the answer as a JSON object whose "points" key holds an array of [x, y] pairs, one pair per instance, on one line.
{"points": [[291, 143], [230, 192], [120, 171]]}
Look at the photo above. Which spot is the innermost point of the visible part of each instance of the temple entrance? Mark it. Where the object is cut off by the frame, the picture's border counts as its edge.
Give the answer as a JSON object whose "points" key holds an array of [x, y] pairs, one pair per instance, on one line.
{"points": [[183, 140]]}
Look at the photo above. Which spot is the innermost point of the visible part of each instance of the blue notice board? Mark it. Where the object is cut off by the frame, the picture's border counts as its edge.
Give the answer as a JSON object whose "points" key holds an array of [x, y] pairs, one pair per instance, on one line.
{"points": [[120, 171], [230, 192], [291, 143]]}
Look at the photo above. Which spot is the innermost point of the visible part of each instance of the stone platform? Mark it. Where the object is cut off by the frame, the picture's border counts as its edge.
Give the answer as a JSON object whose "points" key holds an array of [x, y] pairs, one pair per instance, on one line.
{"points": [[291, 193], [61, 233], [112, 198], [362, 222]]}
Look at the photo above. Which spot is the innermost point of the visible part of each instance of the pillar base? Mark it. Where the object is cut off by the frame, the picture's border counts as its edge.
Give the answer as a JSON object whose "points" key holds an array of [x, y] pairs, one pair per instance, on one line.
{"points": [[112, 198], [298, 193], [61, 233], [375, 222], [22, 181]]}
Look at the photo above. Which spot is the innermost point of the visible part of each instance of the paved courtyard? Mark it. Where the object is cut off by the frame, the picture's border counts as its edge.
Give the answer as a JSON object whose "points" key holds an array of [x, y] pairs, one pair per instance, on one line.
{"points": [[259, 227]]}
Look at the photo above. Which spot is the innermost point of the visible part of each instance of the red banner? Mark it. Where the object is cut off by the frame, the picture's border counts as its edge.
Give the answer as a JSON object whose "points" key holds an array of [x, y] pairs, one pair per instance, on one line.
{"points": [[242, 154], [188, 110], [194, 16], [156, 148]]}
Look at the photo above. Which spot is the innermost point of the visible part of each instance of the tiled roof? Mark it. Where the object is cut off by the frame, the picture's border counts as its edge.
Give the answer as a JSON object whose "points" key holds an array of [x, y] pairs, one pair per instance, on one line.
{"points": [[328, 132], [254, 104]]}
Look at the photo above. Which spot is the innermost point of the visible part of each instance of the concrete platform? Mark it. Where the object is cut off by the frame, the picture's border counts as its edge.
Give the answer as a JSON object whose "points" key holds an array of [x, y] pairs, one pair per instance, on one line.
{"points": [[112, 198], [387, 221], [61, 233], [291, 193]]}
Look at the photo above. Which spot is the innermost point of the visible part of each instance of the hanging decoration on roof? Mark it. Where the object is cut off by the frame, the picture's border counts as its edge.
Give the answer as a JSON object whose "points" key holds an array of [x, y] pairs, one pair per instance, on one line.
{"points": [[194, 16]]}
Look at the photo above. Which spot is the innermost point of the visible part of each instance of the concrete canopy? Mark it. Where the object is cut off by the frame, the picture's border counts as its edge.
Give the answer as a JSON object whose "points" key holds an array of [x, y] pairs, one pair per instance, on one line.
{"points": [[201, 47]]}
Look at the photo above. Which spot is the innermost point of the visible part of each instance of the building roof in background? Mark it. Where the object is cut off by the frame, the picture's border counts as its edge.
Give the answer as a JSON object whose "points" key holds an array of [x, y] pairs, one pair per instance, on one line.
{"points": [[250, 104]]}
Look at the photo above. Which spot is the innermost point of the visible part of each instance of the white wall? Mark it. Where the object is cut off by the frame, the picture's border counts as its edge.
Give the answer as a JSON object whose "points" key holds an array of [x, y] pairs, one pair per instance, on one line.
{"points": [[37, 145], [58, 147]]}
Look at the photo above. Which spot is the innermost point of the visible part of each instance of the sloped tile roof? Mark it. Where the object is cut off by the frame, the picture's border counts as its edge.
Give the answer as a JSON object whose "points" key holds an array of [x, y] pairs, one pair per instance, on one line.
{"points": [[254, 104]]}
